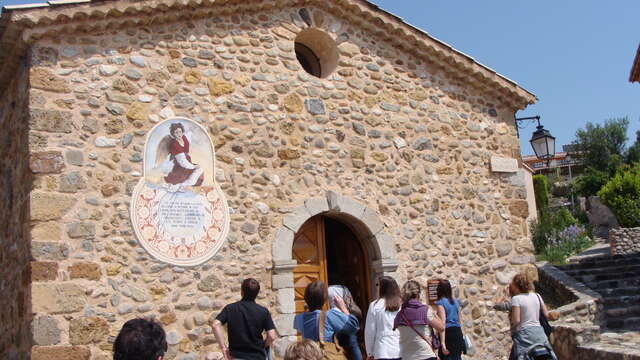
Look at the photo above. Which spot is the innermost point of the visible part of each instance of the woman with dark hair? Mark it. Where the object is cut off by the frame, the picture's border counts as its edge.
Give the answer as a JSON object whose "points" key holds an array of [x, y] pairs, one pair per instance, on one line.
{"points": [[415, 323], [381, 340], [184, 172], [452, 341], [336, 321], [525, 318]]}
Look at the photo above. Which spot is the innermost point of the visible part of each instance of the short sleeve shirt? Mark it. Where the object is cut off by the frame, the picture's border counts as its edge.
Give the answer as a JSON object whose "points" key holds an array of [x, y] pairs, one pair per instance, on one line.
{"points": [[529, 305], [246, 321], [335, 321], [451, 311]]}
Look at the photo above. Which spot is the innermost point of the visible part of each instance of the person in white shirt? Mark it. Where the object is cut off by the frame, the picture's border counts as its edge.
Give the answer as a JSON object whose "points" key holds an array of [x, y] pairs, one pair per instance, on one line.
{"points": [[381, 340], [526, 306]]}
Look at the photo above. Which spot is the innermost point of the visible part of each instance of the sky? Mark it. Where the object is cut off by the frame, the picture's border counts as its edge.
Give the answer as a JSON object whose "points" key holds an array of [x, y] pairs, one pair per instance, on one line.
{"points": [[574, 55]]}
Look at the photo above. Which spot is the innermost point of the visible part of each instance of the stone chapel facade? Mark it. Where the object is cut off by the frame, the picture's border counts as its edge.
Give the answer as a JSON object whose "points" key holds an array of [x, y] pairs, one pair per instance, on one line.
{"points": [[347, 143]]}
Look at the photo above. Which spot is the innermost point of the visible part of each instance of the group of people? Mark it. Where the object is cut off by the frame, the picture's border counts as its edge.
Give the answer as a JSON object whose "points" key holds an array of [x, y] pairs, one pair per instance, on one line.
{"points": [[398, 325]]}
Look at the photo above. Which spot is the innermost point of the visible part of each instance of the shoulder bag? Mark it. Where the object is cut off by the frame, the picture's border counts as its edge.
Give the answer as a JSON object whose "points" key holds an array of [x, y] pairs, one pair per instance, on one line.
{"points": [[434, 343], [331, 350], [544, 322]]}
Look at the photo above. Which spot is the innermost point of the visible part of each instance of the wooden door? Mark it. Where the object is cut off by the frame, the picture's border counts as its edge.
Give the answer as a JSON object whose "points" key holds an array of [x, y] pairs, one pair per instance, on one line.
{"points": [[309, 252]]}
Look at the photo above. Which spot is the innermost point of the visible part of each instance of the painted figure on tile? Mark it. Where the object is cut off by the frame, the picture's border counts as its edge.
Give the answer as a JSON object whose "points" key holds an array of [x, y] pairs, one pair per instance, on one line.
{"points": [[175, 160]]}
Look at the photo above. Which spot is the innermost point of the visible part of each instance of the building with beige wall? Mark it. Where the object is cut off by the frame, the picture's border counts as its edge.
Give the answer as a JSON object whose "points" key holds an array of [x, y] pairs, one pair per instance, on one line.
{"points": [[348, 145]]}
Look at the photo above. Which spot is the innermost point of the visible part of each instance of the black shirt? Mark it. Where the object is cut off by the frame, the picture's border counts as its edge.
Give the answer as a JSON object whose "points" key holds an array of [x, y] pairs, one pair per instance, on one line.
{"points": [[246, 321]]}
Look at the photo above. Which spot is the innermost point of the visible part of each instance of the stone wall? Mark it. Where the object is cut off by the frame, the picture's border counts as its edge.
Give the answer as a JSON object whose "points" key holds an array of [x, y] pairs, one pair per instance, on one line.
{"points": [[15, 276], [387, 129], [624, 241], [578, 317]]}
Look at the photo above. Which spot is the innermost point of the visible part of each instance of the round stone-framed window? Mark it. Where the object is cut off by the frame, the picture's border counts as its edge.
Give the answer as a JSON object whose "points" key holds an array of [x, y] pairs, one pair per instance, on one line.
{"points": [[316, 52]]}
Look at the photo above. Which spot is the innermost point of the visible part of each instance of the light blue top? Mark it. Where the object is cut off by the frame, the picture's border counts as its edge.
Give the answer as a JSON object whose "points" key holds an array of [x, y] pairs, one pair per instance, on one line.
{"points": [[335, 321], [451, 311]]}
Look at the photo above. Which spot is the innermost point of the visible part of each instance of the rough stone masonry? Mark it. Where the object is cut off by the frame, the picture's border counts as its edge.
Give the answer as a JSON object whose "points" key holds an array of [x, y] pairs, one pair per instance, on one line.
{"points": [[406, 132]]}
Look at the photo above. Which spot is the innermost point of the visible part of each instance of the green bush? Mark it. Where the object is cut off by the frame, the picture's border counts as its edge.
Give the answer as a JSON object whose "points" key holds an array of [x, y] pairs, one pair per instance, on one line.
{"points": [[541, 190], [622, 195], [546, 228], [590, 182]]}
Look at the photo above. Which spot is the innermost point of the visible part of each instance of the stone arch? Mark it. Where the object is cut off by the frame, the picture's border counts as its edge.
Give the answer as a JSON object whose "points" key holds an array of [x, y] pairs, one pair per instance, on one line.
{"points": [[367, 226]]}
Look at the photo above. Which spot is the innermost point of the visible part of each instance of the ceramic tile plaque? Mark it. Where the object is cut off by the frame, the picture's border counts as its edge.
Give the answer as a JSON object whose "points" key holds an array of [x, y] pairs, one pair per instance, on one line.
{"points": [[501, 164], [178, 212]]}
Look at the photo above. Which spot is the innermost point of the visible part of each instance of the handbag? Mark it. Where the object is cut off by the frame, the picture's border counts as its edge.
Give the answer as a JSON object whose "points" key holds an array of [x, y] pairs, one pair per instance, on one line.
{"points": [[544, 322], [330, 350], [434, 343], [468, 345]]}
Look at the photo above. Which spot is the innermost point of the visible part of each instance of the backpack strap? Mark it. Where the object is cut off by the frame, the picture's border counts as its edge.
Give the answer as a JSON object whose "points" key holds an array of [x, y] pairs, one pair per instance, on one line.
{"points": [[321, 318]]}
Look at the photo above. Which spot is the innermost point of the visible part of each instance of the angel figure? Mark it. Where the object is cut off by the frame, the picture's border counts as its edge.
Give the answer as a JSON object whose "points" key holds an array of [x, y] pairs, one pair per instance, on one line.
{"points": [[174, 161]]}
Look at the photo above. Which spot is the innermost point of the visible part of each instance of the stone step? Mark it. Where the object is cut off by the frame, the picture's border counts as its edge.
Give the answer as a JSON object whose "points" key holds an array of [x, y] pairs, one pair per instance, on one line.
{"points": [[623, 291], [602, 262], [622, 311], [608, 351], [621, 282], [606, 276], [615, 301], [623, 323], [604, 270]]}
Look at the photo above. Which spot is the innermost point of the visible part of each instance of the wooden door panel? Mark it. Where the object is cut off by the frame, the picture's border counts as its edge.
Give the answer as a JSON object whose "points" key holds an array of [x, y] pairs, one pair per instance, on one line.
{"points": [[309, 253]]}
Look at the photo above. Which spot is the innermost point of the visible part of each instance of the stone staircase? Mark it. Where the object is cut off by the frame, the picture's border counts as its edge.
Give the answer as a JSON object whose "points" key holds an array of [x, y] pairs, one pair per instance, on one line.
{"points": [[617, 280]]}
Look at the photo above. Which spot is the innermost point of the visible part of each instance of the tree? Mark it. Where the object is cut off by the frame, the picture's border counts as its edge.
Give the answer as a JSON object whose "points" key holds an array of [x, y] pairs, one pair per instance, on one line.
{"points": [[541, 192], [602, 146], [622, 195], [633, 153]]}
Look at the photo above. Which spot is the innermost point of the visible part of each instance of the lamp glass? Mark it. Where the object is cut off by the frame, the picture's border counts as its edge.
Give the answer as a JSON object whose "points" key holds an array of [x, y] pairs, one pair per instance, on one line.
{"points": [[544, 145]]}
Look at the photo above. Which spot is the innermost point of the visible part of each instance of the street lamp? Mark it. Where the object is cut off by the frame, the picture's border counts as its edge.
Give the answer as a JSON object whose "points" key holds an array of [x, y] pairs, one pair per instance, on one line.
{"points": [[542, 142]]}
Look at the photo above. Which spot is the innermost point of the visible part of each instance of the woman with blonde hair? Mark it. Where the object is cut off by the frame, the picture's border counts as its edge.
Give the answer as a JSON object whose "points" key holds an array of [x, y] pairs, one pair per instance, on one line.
{"points": [[526, 306], [304, 349], [415, 323]]}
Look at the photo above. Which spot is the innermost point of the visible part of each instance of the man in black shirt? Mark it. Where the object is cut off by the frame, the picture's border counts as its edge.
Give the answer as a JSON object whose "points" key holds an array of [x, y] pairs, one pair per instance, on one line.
{"points": [[246, 321]]}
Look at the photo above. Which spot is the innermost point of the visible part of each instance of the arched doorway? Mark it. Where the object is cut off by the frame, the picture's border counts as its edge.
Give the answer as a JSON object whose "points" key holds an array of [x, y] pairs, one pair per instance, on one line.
{"points": [[364, 223], [327, 249]]}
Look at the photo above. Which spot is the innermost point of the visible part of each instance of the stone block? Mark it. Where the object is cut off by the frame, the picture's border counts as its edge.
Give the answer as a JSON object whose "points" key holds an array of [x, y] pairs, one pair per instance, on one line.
{"points": [[209, 283], [295, 220], [60, 353], [57, 298], [50, 206], [284, 324], [282, 281], [44, 271], [288, 154], [88, 330], [293, 103], [218, 87], [316, 206], [371, 219], [386, 245], [285, 301], [81, 230], [45, 330], [85, 270], [74, 157], [54, 121], [503, 248], [42, 78], [46, 162], [314, 106], [333, 200], [47, 250], [282, 244], [46, 231], [351, 207], [519, 208]]}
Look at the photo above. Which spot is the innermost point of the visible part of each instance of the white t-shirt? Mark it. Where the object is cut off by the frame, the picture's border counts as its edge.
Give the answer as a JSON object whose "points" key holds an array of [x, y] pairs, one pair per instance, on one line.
{"points": [[414, 347], [529, 305]]}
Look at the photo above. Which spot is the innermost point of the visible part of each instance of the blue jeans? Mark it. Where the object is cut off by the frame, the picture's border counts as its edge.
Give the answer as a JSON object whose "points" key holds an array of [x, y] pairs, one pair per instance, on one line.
{"points": [[350, 343]]}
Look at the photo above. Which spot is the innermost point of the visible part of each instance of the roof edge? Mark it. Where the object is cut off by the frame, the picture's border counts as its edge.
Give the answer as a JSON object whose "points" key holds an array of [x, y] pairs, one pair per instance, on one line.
{"points": [[635, 69], [21, 26]]}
